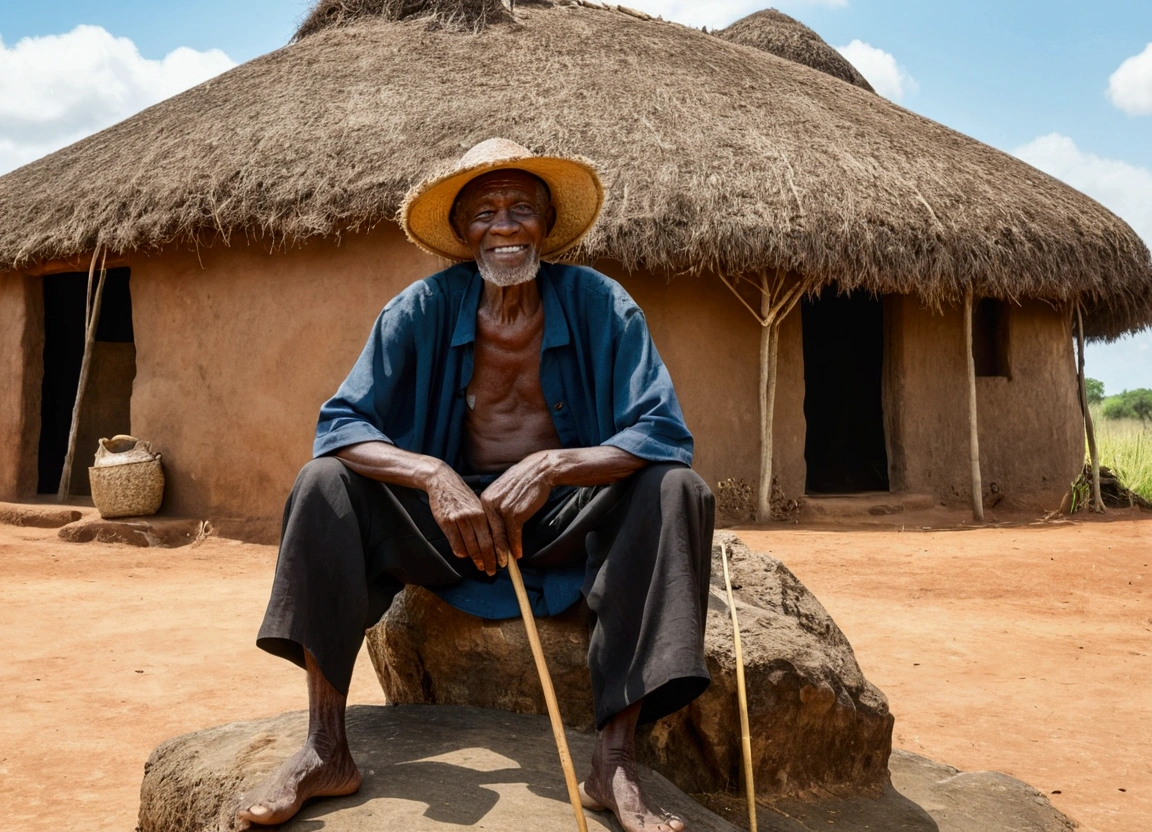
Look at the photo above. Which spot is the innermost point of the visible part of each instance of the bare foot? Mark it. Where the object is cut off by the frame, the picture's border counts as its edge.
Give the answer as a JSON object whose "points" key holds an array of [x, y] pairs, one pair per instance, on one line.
{"points": [[614, 784], [306, 774]]}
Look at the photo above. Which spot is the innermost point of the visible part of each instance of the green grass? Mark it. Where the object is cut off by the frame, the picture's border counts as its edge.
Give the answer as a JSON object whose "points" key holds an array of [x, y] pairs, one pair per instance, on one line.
{"points": [[1126, 447]]}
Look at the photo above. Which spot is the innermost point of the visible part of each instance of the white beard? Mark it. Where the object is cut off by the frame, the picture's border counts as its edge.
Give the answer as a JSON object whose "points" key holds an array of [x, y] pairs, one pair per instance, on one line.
{"points": [[503, 276]]}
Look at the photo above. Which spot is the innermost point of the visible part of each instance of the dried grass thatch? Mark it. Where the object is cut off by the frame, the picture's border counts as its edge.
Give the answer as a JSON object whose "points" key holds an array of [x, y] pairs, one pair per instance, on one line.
{"points": [[471, 14], [788, 38], [716, 156]]}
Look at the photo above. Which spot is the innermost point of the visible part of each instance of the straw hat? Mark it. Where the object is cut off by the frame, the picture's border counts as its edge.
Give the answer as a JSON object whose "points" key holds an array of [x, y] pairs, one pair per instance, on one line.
{"points": [[576, 195]]}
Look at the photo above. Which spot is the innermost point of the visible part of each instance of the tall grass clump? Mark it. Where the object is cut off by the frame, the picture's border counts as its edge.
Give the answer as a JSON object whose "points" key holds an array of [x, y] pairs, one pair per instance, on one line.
{"points": [[1126, 447]]}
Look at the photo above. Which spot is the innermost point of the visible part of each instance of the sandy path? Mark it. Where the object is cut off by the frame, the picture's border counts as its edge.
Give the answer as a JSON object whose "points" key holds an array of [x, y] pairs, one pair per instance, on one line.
{"points": [[108, 650], [1024, 650]]}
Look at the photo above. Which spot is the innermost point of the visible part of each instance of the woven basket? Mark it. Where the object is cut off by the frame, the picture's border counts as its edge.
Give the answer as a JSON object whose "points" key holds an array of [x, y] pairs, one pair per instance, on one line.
{"points": [[133, 488]]}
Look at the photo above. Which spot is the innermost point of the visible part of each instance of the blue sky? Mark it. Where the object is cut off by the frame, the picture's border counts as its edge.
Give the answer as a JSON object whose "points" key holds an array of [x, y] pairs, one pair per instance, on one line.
{"points": [[1028, 77]]}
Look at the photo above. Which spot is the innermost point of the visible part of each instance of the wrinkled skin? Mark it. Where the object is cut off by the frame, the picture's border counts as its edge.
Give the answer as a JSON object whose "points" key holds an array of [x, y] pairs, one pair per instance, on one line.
{"points": [[504, 217]]}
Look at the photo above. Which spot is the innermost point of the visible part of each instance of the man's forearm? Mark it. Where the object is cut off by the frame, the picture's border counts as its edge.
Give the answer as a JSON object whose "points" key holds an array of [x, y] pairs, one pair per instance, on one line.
{"points": [[386, 463], [600, 465]]}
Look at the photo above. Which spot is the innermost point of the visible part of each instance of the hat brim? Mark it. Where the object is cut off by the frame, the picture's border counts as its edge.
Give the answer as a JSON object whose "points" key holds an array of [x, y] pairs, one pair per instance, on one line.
{"points": [[577, 196]]}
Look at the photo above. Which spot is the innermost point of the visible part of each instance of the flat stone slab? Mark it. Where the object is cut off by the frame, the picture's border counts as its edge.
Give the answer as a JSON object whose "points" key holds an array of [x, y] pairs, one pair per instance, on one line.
{"points": [[168, 533], [40, 517], [926, 796], [426, 769], [435, 768]]}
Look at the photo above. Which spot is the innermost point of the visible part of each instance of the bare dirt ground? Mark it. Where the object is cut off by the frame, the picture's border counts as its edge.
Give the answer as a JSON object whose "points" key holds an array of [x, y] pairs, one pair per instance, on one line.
{"points": [[1021, 649], [1026, 650]]}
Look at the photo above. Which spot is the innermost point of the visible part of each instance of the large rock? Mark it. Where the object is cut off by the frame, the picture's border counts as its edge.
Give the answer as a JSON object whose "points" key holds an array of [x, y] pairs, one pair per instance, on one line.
{"points": [[925, 796], [444, 769], [425, 770], [816, 721]]}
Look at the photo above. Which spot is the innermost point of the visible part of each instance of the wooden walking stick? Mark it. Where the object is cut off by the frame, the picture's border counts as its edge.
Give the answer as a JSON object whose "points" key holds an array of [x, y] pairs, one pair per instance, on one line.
{"points": [[549, 694], [741, 697]]}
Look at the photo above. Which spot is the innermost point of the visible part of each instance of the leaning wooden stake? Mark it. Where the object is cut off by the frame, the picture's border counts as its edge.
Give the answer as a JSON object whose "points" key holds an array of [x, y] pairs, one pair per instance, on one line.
{"points": [[91, 320], [741, 698], [1082, 384], [973, 424], [549, 694]]}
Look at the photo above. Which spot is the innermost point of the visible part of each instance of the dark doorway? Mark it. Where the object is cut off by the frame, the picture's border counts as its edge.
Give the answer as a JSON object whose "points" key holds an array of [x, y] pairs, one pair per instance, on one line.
{"points": [[843, 374], [107, 405]]}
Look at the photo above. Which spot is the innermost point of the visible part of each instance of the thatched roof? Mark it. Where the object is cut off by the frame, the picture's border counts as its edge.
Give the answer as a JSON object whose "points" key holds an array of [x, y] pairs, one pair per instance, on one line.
{"points": [[716, 156], [461, 14], [787, 37]]}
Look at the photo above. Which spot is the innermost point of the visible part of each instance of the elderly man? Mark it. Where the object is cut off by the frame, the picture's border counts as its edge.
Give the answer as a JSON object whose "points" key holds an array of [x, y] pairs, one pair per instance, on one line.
{"points": [[502, 408]]}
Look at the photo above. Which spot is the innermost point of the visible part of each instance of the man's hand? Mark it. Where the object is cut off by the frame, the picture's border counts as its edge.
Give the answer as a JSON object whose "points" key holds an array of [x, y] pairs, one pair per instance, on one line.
{"points": [[458, 511], [508, 503]]}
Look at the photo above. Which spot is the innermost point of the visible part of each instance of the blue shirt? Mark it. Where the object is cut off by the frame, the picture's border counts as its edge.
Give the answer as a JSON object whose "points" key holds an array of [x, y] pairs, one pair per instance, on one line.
{"points": [[599, 371]]}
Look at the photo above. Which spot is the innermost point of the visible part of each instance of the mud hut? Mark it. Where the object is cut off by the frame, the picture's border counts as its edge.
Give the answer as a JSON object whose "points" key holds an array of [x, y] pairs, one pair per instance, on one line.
{"points": [[252, 221]]}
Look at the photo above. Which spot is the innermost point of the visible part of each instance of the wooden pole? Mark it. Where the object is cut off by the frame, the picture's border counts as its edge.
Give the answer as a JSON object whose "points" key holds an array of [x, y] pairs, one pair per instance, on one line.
{"points": [[88, 294], [973, 424], [549, 694], [768, 340], [1089, 429], [741, 697], [92, 320], [775, 304]]}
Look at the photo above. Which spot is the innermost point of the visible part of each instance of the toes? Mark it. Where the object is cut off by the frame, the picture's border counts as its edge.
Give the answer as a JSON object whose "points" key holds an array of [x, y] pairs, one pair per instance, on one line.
{"points": [[263, 815], [254, 813]]}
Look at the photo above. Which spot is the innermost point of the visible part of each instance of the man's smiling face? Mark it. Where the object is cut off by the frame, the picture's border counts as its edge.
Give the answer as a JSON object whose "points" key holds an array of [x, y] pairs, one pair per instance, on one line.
{"points": [[503, 217]]}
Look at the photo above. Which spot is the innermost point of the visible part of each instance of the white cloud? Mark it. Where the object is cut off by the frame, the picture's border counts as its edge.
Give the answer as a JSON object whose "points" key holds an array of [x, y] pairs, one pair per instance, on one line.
{"points": [[1130, 86], [1126, 189], [717, 14], [881, 69], [56, 89]]}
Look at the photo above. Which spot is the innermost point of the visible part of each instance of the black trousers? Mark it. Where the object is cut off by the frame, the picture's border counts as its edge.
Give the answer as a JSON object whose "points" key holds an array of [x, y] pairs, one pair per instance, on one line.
{"points": [[350, 544]]}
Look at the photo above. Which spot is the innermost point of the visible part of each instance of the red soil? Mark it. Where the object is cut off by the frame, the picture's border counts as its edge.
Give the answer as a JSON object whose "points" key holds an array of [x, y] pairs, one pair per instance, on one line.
{"points": [[1020, 649]]}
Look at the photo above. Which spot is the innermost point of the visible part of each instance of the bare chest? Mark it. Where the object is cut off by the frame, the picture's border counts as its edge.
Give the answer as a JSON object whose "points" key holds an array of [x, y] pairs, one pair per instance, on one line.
{"points": [[507, 416]]}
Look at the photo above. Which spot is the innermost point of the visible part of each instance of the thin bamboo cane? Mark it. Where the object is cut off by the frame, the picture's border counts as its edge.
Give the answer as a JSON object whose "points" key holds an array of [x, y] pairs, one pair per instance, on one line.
{"points": [[1089, 428], [973, 424], [768, 341], [549, 694], [91, 321], [741, 697]]}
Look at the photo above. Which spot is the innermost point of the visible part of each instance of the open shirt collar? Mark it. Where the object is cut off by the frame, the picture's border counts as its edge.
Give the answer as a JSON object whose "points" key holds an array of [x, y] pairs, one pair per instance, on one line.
{"points": [[555, 325]]}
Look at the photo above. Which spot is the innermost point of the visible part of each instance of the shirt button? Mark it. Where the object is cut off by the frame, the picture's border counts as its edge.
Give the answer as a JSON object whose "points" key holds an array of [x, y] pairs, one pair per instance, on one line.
{"points": [[558, 406]]}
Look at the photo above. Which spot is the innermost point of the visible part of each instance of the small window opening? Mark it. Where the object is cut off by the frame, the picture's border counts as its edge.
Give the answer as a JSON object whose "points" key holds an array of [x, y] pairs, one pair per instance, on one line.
{"points": [[990, 338]]}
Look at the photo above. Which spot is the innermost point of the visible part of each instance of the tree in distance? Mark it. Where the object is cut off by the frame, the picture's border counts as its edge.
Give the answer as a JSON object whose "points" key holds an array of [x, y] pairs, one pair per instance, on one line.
{"points": [[1131, 404], [1095, 390]]}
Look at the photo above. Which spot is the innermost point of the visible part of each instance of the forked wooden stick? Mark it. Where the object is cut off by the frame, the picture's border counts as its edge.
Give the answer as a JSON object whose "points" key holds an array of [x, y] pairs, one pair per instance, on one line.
{"points": [[741, 697], [549, 694], [91, 321]]}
